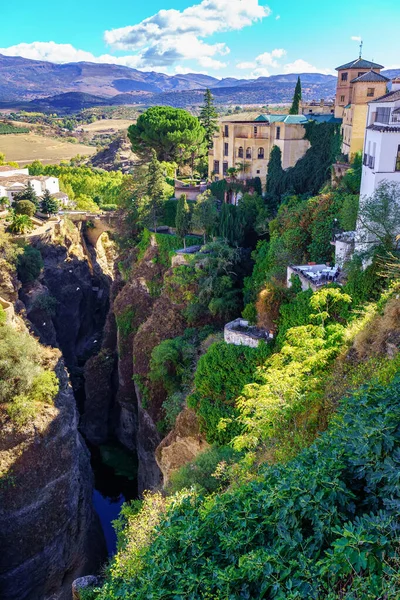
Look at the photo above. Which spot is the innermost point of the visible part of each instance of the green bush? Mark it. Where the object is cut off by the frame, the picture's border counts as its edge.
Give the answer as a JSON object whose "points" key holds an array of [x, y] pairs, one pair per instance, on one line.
{"points": [[24, 381], [323, 526], [29, 264], [221, 375], [25, 207], [208, 472], [108, 207]]}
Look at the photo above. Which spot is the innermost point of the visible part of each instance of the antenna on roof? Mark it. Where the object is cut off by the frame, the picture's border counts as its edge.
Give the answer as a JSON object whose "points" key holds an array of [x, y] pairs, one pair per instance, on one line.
{"points": [[361, 47]]}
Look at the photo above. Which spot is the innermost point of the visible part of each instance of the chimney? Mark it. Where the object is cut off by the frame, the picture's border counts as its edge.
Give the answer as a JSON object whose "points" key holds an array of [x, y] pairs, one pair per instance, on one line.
{"points": [[395, 84]]}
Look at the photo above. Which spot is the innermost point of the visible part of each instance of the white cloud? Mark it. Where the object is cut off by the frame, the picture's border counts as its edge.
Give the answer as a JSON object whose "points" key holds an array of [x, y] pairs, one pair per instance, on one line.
{"points": [[258, 67], [302, 66], [171, 36], [356, 38], [277, 17]]}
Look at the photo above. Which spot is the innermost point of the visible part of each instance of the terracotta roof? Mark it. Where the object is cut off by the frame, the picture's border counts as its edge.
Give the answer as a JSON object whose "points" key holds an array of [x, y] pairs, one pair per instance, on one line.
{"points": [[359, 63], [389, 97], [7, 168], [60, 195], [371, 76]]}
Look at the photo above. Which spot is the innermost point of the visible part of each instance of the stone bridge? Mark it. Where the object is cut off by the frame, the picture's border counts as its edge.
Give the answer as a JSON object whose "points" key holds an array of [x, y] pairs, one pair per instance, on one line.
{"points": [[96, 224]]}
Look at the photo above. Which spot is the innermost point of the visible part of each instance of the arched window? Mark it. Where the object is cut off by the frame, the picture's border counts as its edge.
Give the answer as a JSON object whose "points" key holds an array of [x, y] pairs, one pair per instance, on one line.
{"points": [[261, 153], [248, 152], [240, 152]]}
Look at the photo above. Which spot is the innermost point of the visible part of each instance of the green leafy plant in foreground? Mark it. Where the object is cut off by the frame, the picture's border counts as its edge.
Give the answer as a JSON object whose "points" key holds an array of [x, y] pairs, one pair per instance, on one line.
{"points": [[323, 526]]}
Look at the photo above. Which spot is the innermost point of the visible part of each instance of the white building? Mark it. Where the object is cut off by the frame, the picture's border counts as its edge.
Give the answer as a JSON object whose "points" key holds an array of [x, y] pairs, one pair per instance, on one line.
{"points": [[382, 142], [381, 158], [11, 185], [8, 171]]}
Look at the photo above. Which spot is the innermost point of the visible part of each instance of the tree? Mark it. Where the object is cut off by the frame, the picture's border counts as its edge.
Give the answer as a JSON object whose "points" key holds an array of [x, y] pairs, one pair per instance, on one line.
{"points": [[205, 214], [4, 202], [20, 224], [294, 109], [171, 132], [25, 207], [27, 194], [151, 205], [208, 118], [29, 264], [49, 204], [379, 216], [183, 218], [275, 176]]}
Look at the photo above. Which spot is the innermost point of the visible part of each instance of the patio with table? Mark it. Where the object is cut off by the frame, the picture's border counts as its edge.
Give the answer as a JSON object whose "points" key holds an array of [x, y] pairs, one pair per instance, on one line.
{"points": [[316, 275]]}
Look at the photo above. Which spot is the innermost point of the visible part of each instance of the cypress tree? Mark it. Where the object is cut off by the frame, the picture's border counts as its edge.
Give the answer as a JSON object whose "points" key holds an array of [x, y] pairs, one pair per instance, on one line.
{"points": [[294, 109], [275, 176], [182, 221], [208, 117], [155, 189], [49, 204]]}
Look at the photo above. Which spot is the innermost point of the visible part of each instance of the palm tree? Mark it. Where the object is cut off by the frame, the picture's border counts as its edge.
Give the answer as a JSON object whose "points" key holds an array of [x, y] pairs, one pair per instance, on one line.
{"points": [[20, 224]]}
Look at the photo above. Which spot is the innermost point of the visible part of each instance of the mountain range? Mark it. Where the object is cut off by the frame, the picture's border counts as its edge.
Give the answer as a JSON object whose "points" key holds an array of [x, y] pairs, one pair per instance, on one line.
{"points": [[72, 86]]}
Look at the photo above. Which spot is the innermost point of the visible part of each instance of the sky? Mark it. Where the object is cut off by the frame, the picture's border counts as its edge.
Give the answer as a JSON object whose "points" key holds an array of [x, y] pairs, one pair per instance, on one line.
{"points": [[222, 38]]}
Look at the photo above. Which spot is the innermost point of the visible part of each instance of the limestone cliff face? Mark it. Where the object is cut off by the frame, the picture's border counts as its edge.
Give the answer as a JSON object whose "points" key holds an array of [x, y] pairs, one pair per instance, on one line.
{"points": [[181, 445], [49, 533]]}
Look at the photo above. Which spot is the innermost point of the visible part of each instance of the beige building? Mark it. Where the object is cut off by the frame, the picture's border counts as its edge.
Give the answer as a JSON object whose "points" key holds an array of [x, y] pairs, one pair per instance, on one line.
{"points": [[317, 108], [359, 82], [244, 142]]}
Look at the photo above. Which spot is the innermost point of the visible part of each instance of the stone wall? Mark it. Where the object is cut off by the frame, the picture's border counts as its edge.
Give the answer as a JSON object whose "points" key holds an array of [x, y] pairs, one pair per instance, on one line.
{"points": [[232, 335]]}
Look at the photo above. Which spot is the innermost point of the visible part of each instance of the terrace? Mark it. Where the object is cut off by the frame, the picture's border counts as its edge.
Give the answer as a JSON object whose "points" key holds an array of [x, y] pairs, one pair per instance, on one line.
{"points": [[240, 333], [313, 276]]}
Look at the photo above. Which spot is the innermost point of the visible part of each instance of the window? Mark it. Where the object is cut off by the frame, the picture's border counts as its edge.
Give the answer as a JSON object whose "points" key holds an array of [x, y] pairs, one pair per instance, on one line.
{"points": [[261, 153], [341, 98], [240, 152], [226, 149], [258, 171], [371, 92], [361, 73], [216, 167], [225, 168], [398, 159], [344, 76], [248, 152], [255, 131], [278, 133], [226, 131], [382, 115]]}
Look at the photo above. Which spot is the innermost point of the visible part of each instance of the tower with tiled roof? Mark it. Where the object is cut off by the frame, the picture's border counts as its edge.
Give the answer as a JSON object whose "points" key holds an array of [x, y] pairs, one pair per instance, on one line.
{"points": [[347, 75]]}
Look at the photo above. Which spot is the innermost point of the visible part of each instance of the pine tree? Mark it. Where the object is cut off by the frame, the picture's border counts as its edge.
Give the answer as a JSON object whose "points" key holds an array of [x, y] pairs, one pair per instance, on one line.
{"points": [[183, 218], [275, 177], [49, 204], [155, 190], [208, 118], [294, 109], [27, 194]]}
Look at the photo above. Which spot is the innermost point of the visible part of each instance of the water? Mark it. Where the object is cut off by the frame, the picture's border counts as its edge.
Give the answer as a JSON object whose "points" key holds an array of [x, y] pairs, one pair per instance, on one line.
{"points": [[115, 472]]}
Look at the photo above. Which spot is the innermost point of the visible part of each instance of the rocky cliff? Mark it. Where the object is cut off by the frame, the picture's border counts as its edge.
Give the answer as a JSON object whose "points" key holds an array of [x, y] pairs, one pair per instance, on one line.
{"points": [[49, 533]]}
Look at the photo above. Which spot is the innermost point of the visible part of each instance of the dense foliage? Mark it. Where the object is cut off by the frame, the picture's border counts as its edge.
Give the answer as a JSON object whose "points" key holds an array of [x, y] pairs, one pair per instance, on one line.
{"points": [[26, 381], [325, 525], [29, 264]]}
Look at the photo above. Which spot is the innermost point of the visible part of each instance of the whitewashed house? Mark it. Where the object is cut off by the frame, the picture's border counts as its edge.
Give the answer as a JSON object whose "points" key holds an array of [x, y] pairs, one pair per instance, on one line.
{"points": [[381, 159], [8, 171], [11, 185]]}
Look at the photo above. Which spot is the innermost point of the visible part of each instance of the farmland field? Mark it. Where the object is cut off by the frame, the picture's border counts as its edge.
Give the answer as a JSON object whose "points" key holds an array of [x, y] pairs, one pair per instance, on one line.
{"points": [[106, 124], [24, 148]]}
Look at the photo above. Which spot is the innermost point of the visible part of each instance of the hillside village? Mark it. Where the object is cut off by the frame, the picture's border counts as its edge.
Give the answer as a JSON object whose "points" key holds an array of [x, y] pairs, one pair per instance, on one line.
{"points": [[200, 357]]}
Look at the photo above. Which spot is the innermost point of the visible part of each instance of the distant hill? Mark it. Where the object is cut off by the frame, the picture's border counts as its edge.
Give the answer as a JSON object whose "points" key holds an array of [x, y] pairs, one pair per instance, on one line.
{"points": [[39, 85]]}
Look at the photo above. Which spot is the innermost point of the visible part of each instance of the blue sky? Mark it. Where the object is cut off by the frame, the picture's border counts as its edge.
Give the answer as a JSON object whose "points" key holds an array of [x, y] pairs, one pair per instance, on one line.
{"points": [[239, 38]]}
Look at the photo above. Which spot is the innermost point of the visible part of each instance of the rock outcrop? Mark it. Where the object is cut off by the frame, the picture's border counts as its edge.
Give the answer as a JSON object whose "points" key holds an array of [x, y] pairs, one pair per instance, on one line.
{"points": [[181, 445], [49, 533]]}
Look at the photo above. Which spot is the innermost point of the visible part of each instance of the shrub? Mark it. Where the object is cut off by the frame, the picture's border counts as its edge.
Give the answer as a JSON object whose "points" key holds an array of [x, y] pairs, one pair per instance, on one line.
{"points": [[108, 207], [221, 375], [323, 526], [25, 207], [208, 472], [29, 264]]}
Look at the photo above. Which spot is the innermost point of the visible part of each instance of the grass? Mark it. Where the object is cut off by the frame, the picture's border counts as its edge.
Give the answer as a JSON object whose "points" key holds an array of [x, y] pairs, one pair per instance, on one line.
{"points": [[107, 124], [25, 148]]}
